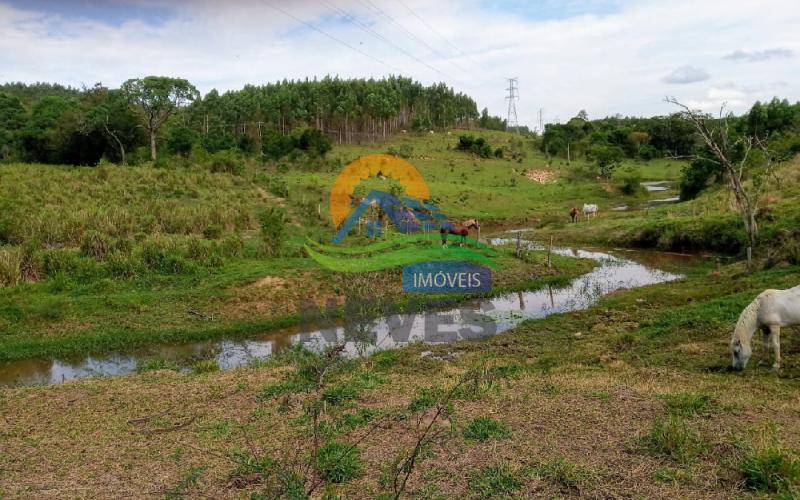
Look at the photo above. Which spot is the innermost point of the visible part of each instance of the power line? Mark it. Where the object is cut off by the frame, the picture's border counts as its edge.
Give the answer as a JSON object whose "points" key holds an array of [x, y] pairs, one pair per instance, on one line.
{"points": [[336, 39], [410, 34], [437, 33], [363, 27], [513, 96]]}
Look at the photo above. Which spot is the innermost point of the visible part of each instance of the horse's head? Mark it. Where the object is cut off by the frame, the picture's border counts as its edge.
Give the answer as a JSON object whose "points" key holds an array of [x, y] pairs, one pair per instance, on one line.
{"points": [[740, 353], [469, 224]]}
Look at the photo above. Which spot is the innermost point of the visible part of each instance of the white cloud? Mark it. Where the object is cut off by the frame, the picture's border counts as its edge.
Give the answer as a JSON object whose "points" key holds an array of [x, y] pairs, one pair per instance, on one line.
{"points": [[758, 55], [686, 74], [606, 64]]}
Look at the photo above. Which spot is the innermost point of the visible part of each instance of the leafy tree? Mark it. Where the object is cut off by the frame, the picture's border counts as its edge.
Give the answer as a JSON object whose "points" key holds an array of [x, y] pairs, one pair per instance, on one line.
{"points": [[106, 112], [697, 175], [607, 158], [12, 119], [155, 99]]}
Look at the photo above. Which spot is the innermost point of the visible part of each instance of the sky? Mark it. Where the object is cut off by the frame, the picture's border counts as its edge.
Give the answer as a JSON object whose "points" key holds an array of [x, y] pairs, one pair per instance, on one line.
{"points": [[606, 57]]}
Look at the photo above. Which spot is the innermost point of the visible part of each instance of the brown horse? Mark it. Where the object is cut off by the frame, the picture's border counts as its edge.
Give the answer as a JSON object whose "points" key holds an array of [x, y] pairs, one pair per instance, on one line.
{"points": [[458, 229], [573, 214]]}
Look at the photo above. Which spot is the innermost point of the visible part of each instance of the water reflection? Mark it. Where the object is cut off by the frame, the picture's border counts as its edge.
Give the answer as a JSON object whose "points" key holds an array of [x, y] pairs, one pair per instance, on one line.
{"points": [[474, 319]]}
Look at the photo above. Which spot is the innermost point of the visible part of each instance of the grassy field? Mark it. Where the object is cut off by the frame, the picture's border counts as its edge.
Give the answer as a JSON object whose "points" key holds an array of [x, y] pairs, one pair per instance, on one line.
{"points": [[630, 398], [102, 258]]}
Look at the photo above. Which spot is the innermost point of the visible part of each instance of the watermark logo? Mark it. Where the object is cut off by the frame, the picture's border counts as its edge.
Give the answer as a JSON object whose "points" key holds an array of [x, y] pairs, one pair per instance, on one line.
{"points": [[422, 238], [446, 276]]}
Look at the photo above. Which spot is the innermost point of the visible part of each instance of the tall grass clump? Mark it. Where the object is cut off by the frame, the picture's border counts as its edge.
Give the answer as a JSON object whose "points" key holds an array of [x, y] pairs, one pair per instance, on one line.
{"points": [[672, 437], [9, 267]]}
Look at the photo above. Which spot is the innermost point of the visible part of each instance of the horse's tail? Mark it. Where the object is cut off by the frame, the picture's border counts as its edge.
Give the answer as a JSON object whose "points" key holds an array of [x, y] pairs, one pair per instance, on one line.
{"points": [[748, 321]]}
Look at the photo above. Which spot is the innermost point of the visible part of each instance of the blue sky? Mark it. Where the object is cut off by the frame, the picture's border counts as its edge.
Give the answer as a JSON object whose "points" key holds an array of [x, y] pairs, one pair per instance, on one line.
{"points": [[603, 56], [109, 12]]}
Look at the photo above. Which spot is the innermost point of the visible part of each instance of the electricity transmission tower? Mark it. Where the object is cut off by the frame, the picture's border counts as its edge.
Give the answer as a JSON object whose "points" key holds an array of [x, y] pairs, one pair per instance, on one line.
{"points": [[512, 97]]}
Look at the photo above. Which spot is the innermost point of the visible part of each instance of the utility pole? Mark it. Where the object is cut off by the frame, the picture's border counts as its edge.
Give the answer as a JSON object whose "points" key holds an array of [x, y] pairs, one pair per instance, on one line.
{"points": [[512, 97], [541, 122]]}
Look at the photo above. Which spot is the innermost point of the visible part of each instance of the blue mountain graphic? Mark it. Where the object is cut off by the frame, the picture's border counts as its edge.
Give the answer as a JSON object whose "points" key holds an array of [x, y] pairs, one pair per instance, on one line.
{"points": [[408, 215]]}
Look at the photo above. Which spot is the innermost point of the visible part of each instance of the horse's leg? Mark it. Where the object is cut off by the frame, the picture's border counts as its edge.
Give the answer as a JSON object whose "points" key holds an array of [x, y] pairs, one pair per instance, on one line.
{"points": [[775, 340]]}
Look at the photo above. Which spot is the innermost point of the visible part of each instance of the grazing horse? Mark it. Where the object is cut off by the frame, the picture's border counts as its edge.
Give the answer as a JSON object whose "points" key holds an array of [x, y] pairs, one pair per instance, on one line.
{"points": [[573, 214], [589, 209], [771, 310], [458, 229]]}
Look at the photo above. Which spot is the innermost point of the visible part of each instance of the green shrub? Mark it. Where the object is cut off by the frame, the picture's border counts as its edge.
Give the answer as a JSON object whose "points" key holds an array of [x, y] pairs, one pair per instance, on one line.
{"points": [[630, 180], [226, 161], [312, 141], [339, 462], [232, 246], [404, 151], [494, 482], [60, 261], [213, 232], [273, 222], [772, 469], [485, 428], [475, 145]]}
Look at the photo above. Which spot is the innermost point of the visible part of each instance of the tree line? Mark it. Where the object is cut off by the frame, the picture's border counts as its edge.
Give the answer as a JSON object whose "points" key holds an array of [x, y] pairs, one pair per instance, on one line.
{"points": [[608, 140], [50, 123]]}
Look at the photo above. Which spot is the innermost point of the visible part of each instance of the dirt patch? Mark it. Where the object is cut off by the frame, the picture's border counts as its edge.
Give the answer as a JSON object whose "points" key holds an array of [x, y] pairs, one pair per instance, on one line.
{"points": [[269, 281], [541, 176]]}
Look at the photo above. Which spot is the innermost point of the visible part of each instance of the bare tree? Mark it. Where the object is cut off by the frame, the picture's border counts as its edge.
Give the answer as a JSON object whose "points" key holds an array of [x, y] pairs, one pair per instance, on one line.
{"points": [[733, 155]]}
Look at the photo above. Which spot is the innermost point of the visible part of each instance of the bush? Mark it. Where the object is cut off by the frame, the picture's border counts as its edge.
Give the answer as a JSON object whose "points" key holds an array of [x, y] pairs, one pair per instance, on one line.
{"points": [[630, 179], [485, 428], [404, 151], [232, 246], [339, 462], [474, 145], [226, 161], [312, 141], [606, 157], [696, 177], [273, 222], [213, 232], [60, 261]]}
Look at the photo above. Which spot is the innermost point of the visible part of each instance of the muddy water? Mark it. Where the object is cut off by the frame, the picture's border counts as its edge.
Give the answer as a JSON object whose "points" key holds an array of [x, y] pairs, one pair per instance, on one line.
{"points": [[616, 269]]}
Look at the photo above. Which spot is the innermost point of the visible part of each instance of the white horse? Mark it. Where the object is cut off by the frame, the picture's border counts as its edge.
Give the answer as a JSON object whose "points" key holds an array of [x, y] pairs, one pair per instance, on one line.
{"points": [[771, 310], [589, 209]]}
